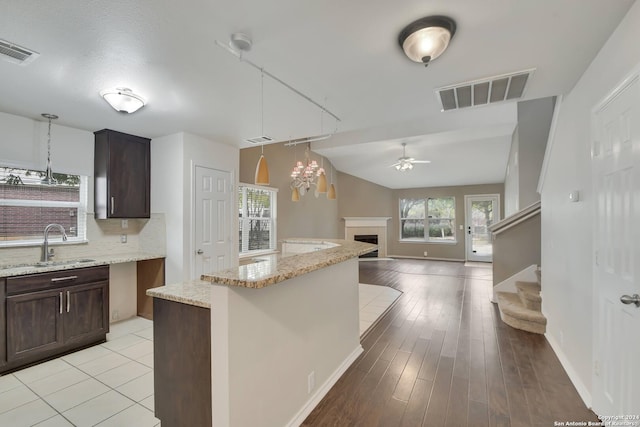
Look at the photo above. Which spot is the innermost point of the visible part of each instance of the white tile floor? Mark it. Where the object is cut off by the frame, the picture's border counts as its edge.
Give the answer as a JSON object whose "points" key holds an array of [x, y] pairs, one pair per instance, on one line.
{"points": [[374, 301], [111, 385], [106, 385]]}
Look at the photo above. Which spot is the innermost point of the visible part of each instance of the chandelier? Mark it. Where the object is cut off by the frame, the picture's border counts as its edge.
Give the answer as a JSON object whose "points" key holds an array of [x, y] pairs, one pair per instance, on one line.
{"points": [[305, 175]]}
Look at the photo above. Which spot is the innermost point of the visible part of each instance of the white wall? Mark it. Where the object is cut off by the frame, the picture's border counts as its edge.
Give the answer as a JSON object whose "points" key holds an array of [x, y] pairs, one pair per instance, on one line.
{"points": [[265, 342], [166, 196], [173, 159], [567, 244]]}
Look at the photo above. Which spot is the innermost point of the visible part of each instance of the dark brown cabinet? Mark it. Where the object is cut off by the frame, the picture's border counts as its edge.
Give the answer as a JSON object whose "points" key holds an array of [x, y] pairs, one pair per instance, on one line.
{"points": [[122, 169], [49, 314], [3, 324]]}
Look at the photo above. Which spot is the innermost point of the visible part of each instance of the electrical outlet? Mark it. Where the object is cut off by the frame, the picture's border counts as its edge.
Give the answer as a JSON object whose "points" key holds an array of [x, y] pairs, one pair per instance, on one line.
{"points": [[115, 315], [311, 382], [596, 368], [124, 224], [425, 253], [123, 238]]}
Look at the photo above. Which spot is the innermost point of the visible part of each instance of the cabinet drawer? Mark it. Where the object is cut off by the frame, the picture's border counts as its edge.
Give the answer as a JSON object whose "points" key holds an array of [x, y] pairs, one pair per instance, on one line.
{"points": [[56, 279]]}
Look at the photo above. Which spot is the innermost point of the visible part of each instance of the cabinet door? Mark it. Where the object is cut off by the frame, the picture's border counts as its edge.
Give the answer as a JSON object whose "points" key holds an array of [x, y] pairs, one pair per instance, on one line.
{"points": [[3, 323], [129, 176], [86, 312], [34, 323]]}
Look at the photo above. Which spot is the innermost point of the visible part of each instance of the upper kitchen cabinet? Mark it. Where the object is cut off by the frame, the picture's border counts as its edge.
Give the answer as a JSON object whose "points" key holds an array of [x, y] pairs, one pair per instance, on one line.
{"points": [[122, 175]]}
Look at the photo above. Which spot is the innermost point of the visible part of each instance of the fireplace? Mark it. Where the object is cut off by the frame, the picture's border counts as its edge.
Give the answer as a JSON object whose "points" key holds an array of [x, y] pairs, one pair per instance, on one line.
{"points": [[368, 238], [369, 228]]}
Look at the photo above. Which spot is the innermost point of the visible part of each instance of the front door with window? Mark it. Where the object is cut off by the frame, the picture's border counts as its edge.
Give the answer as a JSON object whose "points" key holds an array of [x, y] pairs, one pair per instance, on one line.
{"points": [[480, 213]]}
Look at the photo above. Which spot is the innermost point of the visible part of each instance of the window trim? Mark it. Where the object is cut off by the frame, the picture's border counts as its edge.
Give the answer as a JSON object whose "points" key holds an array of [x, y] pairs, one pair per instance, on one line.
{"points": [[273, 240], [426, 239]]}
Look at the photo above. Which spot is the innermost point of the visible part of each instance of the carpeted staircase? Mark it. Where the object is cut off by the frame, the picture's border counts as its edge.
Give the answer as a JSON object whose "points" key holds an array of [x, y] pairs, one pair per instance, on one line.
{"points": [[522, 309]]}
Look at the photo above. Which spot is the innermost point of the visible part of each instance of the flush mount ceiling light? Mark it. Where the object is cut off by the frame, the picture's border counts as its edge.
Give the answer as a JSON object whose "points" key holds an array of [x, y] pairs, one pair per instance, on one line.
{"points": [[123, 99], [425, 39]]}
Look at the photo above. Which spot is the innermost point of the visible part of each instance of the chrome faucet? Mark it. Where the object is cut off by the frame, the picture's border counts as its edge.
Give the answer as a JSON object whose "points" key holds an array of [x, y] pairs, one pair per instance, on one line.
{"points": [[46, 254]]}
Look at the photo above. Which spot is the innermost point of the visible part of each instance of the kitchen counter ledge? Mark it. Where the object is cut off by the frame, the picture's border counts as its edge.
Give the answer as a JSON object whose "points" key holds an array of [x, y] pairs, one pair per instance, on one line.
{"points": [[22, 269], [271, 269]]}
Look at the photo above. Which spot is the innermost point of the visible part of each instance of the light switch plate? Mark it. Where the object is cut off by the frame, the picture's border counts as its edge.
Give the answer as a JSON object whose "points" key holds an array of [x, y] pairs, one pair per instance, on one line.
{"points": [[123, 238]]}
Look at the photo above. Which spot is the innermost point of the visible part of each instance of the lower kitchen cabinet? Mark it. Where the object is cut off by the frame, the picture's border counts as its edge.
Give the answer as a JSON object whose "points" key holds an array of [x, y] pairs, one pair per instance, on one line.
{"points": [[34, 323], [49, 314]]}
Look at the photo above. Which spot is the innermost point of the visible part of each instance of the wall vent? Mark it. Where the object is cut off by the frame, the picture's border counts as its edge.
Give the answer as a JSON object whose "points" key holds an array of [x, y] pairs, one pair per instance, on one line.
{"points": [[17, 54], [259, 139], [505, 87]]}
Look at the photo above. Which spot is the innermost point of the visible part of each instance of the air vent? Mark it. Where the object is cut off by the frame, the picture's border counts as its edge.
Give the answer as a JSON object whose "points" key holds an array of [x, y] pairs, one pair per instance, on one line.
{"points": [[18, 55], [506, 87], [259, 139]]}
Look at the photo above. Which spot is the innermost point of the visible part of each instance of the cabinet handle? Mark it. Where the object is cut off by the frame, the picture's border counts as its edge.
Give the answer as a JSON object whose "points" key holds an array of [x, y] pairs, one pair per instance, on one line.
{"points": [[113, 203], [60, 302], [68, 302], [63, 279]]}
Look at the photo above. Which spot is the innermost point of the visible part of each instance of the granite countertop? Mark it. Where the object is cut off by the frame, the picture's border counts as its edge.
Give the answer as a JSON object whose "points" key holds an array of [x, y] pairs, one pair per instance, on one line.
{"points": [[271, 269], [89, 261], [196, 292]]}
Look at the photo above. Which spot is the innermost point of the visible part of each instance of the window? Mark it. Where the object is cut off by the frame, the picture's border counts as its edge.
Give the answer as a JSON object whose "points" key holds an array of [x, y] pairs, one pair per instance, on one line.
{"points": [[412, 214], [441, 212], [437, 213], [257, 214], [27, 206]]}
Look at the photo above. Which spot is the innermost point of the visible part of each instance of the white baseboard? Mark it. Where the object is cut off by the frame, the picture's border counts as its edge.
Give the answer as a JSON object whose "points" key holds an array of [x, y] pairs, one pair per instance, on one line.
{"points": [[583, 391], [428, 258], [313, 401], [509, 284]]}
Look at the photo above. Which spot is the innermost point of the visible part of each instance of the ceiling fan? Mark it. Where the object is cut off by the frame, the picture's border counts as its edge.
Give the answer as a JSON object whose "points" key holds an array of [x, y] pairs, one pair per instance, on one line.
{"points": [[405, 163]]}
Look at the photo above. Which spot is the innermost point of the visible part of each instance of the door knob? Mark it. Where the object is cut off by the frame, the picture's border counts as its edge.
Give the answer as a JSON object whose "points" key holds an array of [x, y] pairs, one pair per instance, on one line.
{"points": [[199, 252], [634, 299]]}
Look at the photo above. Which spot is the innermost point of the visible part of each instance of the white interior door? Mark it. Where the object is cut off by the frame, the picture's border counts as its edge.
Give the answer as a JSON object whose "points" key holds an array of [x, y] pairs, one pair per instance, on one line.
{"points": [[616, 163], [212, 222], [480, 213]]}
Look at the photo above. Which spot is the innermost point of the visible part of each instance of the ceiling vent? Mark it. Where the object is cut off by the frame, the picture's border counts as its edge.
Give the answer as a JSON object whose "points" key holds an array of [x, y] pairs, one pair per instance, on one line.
{"points": [[18, 55], [506, 87], [259, 139]]}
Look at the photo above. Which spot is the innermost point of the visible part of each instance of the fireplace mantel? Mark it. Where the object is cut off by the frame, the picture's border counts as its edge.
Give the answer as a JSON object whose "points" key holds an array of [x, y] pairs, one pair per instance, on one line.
{"points": [[355, 225], [366, 221]]}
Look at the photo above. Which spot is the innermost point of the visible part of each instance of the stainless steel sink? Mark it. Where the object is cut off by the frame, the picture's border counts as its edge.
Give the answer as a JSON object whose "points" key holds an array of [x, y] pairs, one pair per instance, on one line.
{"points": [[57, 263]]}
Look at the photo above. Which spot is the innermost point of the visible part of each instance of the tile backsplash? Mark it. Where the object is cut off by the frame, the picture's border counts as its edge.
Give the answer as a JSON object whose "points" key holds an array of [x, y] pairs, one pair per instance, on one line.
{"points": [[104, 238]]}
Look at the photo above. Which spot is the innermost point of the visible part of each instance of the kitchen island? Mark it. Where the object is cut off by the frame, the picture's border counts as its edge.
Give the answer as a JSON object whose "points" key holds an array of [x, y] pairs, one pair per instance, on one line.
{"points": [[282, 330]]}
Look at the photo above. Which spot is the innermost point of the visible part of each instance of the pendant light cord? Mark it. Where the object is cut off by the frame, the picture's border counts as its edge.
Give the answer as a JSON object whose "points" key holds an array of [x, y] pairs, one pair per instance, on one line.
{"points": [[262, 106]]}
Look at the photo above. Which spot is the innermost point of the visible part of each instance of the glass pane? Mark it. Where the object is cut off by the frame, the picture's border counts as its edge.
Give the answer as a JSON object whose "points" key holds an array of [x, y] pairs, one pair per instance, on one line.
{"points": [[412, 208], [482, 218], [441, 229], [441, 207], [28, 222], [258, 203], [412, 229], [259, 234]]}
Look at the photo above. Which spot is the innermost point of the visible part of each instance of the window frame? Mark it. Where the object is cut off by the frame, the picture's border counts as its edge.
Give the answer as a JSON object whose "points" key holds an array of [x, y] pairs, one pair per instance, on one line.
{"points": [[80, 205], [425, 221], [244, 220]]}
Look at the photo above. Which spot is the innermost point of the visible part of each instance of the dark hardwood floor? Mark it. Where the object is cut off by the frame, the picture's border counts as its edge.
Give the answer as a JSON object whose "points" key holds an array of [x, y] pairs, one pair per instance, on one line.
{"points": [[442, 357]]}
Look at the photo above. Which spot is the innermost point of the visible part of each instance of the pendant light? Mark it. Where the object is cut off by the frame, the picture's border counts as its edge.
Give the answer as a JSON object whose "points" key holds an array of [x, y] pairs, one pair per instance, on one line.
{"points": [[322, 178], [331, 194], [262, 169], [49, 179]]}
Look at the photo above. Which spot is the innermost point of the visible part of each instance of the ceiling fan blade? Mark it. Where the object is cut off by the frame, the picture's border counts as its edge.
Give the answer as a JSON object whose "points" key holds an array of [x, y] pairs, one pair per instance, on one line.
{"points": [[421, 161], [394, 165]]}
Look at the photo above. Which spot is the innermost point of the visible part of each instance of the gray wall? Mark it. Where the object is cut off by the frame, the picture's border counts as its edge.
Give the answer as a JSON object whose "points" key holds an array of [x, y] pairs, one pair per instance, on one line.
{"points": [[516, 249], [527, 153], [309, 217], [437, 250]]}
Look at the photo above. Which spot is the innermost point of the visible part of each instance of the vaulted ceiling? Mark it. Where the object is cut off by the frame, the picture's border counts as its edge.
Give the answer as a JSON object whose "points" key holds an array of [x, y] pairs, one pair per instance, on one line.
{"points": [[343, 54]]}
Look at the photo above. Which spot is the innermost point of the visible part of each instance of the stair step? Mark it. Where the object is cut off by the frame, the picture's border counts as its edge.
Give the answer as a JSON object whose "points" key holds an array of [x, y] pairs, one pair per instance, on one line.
{"points": [[514, 313], [529, 293]]}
